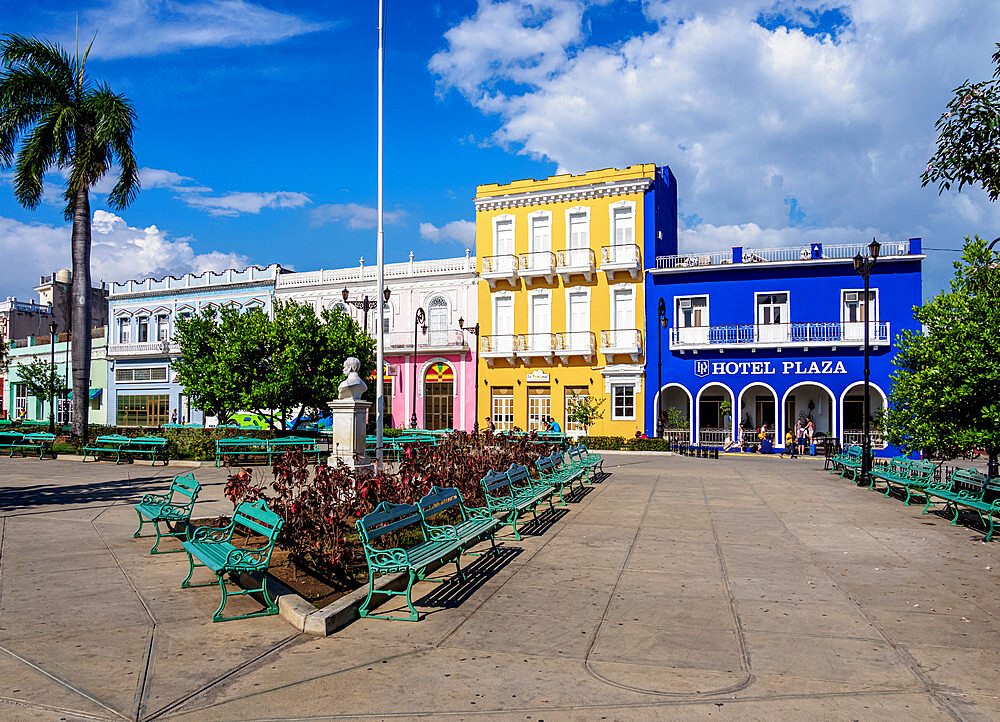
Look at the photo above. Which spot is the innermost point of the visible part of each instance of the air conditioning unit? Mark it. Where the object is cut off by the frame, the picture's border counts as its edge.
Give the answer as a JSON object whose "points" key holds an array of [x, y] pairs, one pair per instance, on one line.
{"points": [[684, 303], [851, 296]]}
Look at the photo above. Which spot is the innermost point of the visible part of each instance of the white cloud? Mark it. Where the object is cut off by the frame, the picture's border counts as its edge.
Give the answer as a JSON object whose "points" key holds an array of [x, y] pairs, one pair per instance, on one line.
{"points": [[118, 252], [748, 118], [463, 232], [355, 215], [132, 28], [235, 203]]}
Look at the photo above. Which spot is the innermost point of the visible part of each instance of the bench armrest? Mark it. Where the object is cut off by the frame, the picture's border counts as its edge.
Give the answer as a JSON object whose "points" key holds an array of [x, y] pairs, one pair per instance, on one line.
{"points": [[478, 512], [245, 557], [441, 533], [212, 533], [386, 557], [156, 499]]}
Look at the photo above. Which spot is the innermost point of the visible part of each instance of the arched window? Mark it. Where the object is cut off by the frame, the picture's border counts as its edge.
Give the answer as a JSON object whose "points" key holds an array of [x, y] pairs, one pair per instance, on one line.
{"points": [[437, 321]]}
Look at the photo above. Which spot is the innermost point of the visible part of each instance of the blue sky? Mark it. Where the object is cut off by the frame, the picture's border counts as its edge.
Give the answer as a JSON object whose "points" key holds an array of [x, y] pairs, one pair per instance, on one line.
{"points": [[785, 122]]}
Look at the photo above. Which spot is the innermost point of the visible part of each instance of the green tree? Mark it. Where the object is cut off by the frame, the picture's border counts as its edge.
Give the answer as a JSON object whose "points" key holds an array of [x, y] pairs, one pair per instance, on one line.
{"points": [[280, 367], [65, 122], [968, 146], [584, 410], [40, 380], [945, 394]]}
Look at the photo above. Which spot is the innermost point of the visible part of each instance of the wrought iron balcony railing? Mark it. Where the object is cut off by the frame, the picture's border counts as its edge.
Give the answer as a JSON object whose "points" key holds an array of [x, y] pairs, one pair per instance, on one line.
{"points": [[624, 257], [822, 333], [575, 261], [537, 264], [622, 341]]}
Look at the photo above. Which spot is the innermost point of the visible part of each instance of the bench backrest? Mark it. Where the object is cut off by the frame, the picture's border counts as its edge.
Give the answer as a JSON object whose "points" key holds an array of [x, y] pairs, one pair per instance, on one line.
{"points": [[517, 473], [10, 437], [968, 480], [259, 518], [40, 437], [438, 500], [387, 518], [185, 485], [496, 483], [112, 439], [900, 466], [545, 464], [575, 453], [152, 440], [921, 469], [240, 441]]}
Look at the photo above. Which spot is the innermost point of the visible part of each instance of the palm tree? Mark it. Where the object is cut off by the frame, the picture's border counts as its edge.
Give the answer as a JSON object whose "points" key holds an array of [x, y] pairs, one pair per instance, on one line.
{"points": [[65, 123]]}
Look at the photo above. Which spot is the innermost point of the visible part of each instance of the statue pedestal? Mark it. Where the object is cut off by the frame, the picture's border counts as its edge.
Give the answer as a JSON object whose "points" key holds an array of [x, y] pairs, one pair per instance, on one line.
{"points": [[348, 425]]}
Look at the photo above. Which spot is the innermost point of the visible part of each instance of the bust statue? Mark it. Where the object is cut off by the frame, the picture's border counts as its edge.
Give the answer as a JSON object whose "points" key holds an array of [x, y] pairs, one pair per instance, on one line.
{"points": [[353, 386]]}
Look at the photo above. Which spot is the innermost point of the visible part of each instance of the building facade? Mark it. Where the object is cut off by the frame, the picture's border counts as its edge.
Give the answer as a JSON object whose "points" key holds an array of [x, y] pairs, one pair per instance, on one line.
{"points": [[435, 381], [38, 348], [561, 294], [143, 390], [774, 336]]}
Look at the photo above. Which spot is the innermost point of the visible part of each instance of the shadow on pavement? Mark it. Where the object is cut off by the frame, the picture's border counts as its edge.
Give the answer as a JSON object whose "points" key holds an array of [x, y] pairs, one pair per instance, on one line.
{"points": [[60, 494], [452, 594]]}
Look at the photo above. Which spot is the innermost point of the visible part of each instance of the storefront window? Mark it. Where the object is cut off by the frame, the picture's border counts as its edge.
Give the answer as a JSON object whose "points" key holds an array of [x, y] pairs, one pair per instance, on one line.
{"points": [[503, 408], [143, 410]]}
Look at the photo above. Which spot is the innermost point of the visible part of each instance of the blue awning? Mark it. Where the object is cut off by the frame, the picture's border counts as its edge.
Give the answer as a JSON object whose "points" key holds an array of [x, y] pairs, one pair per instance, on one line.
{"points": [[94, 393]]}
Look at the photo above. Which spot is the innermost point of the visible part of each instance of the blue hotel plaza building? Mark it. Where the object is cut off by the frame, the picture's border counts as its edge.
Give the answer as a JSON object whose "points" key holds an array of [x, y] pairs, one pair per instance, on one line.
{"points": [[141, 314], [774, 335]]}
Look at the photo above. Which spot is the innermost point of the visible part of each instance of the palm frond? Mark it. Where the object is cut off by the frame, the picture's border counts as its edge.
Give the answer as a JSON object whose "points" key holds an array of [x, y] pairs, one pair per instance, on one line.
{"points": [[26, 51], [39, 151], [115, 122], [25, 95]]}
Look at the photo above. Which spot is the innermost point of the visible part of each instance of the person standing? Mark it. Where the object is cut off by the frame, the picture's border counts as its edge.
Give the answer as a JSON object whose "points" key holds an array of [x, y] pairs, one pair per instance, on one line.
{"points": [[810, 431], [800, 436]]}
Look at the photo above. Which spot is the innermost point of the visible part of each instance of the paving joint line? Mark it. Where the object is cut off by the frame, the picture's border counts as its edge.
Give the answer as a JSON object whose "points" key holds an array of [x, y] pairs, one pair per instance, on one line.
{"points": [[931, 688], [16, 702]]}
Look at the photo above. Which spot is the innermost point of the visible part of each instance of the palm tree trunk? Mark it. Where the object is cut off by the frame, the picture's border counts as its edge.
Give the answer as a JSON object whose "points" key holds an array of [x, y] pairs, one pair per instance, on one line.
{"points": [[80, 323]]}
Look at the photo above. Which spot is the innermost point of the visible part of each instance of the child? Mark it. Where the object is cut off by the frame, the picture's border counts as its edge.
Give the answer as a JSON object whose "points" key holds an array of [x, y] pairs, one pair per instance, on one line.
{"points": [[789, 445]]}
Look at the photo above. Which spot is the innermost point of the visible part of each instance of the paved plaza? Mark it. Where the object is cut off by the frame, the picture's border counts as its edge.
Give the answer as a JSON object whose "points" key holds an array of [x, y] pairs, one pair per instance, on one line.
{"points": [[679, 588]]}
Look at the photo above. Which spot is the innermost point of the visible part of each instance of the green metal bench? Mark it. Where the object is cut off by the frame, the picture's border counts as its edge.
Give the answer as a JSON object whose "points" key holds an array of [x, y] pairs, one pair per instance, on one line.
{"points": [[580, 458], [971, 489], [33, 442], [152, 445], [240, 446], [504, 495], [472, 525], [553, 472], [169, 508], [106, 445], [910, 475], [847, 461], [277, 447], [9, 439], [415, 560], [214, 549]]}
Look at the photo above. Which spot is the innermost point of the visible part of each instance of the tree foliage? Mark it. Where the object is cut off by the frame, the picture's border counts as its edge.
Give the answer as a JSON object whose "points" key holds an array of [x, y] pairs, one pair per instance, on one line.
{"points": [[584, 410], [287, 365], [946, 388], [968, 147], [40, 379], [53, 118]]}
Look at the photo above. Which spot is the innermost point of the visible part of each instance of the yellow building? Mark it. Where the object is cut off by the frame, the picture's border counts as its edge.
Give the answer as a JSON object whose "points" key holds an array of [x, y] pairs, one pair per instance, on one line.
{"points": [[561, 301]]}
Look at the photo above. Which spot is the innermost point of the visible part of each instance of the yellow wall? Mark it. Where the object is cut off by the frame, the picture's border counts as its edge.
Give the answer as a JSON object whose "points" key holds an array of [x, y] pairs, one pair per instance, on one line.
{"points": [[575, 371]]}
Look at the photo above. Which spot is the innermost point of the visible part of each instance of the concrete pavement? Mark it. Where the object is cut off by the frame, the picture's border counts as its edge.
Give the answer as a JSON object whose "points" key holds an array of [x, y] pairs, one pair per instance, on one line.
{"points": [[680, 588]]}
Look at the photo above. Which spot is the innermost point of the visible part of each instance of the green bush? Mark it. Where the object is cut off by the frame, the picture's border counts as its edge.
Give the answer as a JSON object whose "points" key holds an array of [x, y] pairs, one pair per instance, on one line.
{"points": [[607, 443], [190, 444]]}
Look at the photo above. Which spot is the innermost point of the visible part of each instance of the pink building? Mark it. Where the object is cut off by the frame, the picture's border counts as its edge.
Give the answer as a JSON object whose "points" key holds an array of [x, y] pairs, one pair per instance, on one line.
{"points": [[445, 362]]}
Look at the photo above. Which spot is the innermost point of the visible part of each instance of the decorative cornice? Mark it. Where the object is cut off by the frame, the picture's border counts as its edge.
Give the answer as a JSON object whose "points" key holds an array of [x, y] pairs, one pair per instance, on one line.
{"points": [[564, 195]]}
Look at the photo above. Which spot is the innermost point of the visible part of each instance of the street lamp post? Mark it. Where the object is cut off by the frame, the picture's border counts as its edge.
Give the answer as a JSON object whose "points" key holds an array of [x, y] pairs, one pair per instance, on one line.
{"points": [[661, 314], [365, 304], [419, 321], [864, 265], [474, 330], [52, 377]]}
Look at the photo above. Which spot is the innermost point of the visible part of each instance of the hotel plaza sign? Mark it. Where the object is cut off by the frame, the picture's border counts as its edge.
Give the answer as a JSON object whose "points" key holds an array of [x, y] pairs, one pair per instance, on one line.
{"points": [[767, 368]]}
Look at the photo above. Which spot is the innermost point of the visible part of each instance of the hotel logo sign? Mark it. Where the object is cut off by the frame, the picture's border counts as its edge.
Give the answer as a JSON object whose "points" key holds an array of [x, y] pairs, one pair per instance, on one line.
{"points": [[767, 368]]}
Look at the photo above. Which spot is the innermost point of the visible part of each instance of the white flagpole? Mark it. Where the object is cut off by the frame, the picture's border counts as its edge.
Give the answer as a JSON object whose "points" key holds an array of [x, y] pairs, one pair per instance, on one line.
{"points": [[380, 259]]}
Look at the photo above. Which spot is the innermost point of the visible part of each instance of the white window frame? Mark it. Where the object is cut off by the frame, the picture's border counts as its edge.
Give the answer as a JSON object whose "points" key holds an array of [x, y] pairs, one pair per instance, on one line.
{"points": [[497, 220], [138, 326], [756, 304], [150, 380], [20, 399], [573, 427], [165, 316], [613, 325], [538, 293], [502, 425], [692, 297], [570, 290], [387, 318], [513, 309], [585, 212], [620, 205], [860, 292], [614, 408], [124, 323], [533, 218]]}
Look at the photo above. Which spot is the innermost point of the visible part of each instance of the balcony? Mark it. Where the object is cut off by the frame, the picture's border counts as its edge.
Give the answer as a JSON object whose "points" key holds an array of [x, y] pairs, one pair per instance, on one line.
{"points": [[449, 340], [625, 341], [793, 255], [146, 349], [499, 268], [540, 264], [621, 258], [504, 346], [575, 343], [779, 335], [578, 261], [537, 344]]}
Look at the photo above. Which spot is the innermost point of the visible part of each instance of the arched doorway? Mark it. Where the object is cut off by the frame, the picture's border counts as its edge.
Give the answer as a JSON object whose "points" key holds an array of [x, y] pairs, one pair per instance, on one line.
{"points": [[852, 414], [810, 400], [715, 415], [674, 404], [439, 397], [758, 406]]}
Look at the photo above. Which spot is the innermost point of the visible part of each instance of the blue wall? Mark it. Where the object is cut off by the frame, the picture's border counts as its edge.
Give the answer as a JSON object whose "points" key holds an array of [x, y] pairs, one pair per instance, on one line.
{"points": [[814, 295]]}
